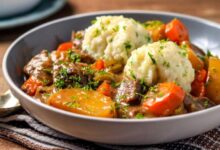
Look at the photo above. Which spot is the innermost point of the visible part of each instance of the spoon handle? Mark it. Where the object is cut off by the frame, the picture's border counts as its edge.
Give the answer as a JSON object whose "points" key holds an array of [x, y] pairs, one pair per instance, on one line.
{"points": [[8, 104]]}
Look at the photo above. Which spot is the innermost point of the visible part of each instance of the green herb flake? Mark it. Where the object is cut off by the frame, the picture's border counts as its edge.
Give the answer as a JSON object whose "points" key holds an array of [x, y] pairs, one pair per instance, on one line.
{"points": [[153, 89], [72, 104], [166, 64], [152, 58], [93, 21], [206, 103], [59, 83], [102, 72], [183, 52], [124, 28], [148, 39], [132, 74], [127, 45], [63, 72], [46, 95], [209, 54], [97, 33], [88, 70], [143, 85], [185, 73], [139, 116], [48, 70], [116, 28], [74, 57]]}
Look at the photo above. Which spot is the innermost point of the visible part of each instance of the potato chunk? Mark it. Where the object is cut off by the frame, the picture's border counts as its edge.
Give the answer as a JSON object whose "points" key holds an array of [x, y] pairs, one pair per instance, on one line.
{"points": [[213, 84], [87, 102]]}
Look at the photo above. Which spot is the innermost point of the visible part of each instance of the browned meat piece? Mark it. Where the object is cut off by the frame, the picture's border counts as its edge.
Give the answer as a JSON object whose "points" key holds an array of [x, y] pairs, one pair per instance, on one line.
{"points": [[73, 75], [77, 38], [40, 67], [72, 56], [192, 104], [84, 57], [129, 91]]}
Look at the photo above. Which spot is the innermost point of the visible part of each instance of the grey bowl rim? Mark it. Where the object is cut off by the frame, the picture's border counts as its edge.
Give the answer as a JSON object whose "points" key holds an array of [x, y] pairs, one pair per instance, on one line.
{"points": [[116, 120]]}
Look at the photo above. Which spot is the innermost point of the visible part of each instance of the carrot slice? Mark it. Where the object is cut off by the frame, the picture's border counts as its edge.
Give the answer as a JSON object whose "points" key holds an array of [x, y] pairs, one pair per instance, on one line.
{"points": [[65, 46], [99, 65], [105, 89], [164, 99], [30, 86], [176, 31]]}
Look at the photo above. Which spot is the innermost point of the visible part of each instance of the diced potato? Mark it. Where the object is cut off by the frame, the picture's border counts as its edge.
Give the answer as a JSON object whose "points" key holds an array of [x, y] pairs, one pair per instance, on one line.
{"points": [[87, 102], [156, 29], [213, 83]]}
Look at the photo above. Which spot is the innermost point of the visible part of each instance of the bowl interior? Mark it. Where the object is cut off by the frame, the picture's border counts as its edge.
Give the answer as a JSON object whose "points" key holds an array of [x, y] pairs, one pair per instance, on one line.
{"points": [[204, 34]]}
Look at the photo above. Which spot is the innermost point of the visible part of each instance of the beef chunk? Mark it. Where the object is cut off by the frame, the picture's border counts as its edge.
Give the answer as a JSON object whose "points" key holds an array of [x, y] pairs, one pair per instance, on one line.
{"points": [[73, 75], [72, 56], [84, 57], [129, 91], [40, 67], [192, 104]]}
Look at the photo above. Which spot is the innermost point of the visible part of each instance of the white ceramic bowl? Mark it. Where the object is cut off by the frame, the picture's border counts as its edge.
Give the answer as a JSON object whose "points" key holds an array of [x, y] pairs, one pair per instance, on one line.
{"points": [[204, 34], [13, 7]]}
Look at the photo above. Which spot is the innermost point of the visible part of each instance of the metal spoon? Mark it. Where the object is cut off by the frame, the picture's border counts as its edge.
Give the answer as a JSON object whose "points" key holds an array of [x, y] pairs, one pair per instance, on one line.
{"points": [[8, 104]]}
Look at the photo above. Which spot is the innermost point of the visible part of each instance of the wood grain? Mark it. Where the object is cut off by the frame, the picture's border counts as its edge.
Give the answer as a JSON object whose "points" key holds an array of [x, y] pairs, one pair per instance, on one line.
{"points": [[208, 9]]}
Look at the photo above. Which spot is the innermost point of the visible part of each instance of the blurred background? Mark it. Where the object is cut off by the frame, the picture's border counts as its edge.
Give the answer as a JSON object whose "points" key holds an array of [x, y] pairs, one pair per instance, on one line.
{"points": [[17, 17]]}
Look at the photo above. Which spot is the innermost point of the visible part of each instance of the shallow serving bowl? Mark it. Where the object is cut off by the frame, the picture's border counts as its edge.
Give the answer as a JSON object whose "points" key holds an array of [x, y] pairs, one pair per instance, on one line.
{"points": [[204, 34]]}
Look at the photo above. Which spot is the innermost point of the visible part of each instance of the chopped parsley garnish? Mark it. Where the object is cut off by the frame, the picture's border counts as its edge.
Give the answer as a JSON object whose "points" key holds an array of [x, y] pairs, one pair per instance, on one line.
{"points": [[185, 73], [143, 85], [73, 56], [166, 64], [63, 72], [45, 81], [127, 45], [124, 27], [48, 70], [148, 39], [209, 54], [152, 58], [153, 89], [59, 83], [91, 85], [201, 57], [102, 72], [132, 74], [93, 21], [111, 40], [72, 104], [183, 52], [116, 28], [97, 33], [115, 84], [206, 103], [88, 70], [46, 95], [139, 116]]}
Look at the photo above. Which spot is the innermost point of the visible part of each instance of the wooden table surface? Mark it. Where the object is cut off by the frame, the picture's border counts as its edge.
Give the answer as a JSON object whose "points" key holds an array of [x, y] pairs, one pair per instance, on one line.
{"points": [[208, 9]]}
